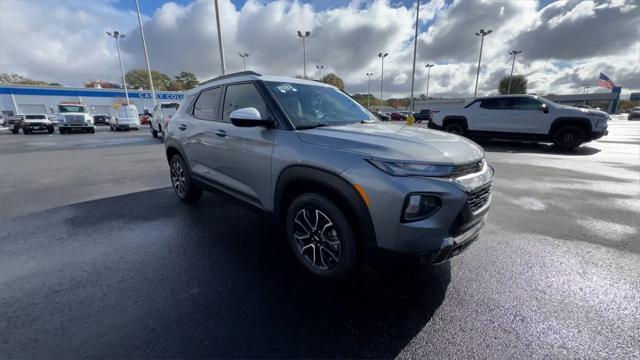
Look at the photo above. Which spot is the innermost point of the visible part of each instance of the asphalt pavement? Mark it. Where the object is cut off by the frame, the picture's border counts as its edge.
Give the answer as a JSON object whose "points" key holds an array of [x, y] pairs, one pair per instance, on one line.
{"points": [[98, 259]]}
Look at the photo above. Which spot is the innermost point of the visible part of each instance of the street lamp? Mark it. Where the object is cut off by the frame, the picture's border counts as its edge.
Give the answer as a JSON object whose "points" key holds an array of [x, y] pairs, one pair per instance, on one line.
{"points": [[382, 56], [244, 57], [428, 66], [410, 118], [146, 57], [482, 34], [117, 35], [586, 87], [319, 67], [369, 90], [220, 45], [513, 52], [304, 36]]}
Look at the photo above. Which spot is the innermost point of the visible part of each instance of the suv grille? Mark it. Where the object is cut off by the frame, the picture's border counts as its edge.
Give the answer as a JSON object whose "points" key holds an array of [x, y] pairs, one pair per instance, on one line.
{"points": [[466, 169], [479, 198]]}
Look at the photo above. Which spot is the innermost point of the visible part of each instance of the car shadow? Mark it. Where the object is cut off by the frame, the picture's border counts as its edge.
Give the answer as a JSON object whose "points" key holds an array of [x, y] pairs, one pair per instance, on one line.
{"points": [[212, 280], [507, 146]]}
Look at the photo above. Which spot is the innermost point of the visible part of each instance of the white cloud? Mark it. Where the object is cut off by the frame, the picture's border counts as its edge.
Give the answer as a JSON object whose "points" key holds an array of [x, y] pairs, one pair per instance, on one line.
{"points": [[565, 44]]}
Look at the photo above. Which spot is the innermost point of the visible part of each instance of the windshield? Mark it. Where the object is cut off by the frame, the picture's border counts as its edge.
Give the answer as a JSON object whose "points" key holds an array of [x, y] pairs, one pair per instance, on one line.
{"points": [[169, 106], [309, 105], [72, 109]]}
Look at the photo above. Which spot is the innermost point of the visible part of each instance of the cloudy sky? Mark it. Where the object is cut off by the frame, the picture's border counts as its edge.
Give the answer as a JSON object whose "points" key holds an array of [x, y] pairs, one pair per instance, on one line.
{"points": [[565, 44]]}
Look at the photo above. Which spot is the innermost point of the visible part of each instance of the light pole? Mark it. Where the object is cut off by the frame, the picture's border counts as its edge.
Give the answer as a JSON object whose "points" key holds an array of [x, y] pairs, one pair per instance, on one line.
{"points": [[369, 90], [382, 56], [482, 34], [410, 119], [146, 56], [116, 35], [319, 67], [428, 66], [244, 57], [586, 86], [220, 46], [304, 36], [513, 52]]}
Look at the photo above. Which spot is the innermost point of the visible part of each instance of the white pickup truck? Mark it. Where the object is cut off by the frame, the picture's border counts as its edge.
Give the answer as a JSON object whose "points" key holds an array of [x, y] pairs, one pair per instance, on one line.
{"points": [[526, 117], [161, 116]]}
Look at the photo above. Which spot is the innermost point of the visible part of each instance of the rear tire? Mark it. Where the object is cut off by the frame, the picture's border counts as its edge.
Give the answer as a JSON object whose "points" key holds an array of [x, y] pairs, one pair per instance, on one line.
{"points": [[92, 131], [454, 127], [15, 131], [569, 137], [50, 130], [321, 237], [183, 186], [26, 132], [154, 133], [62, 131]]}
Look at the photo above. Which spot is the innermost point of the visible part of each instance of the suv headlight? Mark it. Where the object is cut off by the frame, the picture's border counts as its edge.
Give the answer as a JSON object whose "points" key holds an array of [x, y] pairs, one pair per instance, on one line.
{"points": [[412, 169]]}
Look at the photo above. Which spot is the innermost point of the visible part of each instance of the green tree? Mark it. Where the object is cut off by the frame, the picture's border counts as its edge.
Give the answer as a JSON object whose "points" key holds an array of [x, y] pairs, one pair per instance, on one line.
{"points": [[19, 80], [518, 85], [55, 84], [333, 79], [187, 80], [139, 78]]}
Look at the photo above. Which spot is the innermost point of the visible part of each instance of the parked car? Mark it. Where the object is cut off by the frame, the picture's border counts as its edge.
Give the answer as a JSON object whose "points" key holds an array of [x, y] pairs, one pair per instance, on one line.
{"points": [[101, 119], [345, 186], [145, 119], [162, 114], [396, 116], [36, 122], [382, 116], [14, 122], [422, 115], [74, 116], [125, 118], [53, 119], [634, 113], [527, 117]]}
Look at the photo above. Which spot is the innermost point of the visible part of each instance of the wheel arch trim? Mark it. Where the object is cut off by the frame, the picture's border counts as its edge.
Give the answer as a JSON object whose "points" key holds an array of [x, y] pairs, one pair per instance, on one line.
{"points": [[332, 181]]}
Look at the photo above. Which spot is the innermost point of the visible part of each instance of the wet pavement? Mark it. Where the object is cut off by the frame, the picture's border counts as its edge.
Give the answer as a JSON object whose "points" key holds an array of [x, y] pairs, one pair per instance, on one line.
{"points": [[98, 259]]}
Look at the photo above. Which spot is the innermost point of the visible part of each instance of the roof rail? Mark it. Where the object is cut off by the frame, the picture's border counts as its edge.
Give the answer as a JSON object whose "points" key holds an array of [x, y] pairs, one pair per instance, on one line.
{"points": [[240, 73]]}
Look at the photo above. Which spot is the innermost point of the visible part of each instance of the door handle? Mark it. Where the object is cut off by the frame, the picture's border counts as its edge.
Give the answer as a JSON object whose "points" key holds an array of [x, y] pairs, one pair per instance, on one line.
{"points": [[182, 127], [221, 133]]}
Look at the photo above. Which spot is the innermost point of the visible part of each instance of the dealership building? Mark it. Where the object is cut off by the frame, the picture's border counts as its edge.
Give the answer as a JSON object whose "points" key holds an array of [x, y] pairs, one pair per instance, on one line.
{"points": [[18, 99]]}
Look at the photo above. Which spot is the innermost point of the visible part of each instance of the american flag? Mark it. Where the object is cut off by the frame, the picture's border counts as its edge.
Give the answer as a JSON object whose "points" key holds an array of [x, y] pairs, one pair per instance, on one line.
{"points": [[605, 82]]}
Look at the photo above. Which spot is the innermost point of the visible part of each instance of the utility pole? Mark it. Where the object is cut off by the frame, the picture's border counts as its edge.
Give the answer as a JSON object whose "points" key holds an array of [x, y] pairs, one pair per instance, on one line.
{"points": [[482, 34], [244, 57], [428, 66], [382, 56], [146, 56], [304, 36], [513, 63], [410, 119], [369, 90], [220, 46], [117, 35]]}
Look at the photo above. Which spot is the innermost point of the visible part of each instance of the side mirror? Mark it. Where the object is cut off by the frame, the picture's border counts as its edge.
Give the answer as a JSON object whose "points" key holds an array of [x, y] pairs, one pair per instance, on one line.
{"points": [[249, 117], [544, 108]]}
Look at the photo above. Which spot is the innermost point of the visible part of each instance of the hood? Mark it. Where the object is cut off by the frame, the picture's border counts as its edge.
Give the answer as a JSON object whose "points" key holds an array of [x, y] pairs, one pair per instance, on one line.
{"points": [[397, 142]]}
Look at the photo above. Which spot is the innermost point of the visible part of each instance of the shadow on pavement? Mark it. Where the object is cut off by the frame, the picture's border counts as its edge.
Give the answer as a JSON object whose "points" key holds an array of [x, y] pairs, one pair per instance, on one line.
{"points": [[533, 148], [143, 275]]}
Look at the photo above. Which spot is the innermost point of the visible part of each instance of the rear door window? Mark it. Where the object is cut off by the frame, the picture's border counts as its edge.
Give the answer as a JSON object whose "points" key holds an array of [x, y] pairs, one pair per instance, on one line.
{"points": [[498, 103], [207, 105], [525, 103]]}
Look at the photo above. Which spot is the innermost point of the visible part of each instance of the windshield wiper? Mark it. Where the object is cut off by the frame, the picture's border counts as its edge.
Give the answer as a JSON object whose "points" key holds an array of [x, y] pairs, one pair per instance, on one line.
{"points": [[311, 126]]}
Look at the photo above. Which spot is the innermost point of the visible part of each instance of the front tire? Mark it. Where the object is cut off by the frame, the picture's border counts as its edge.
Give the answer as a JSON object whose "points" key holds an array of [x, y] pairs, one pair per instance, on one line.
{"points": [[183, 186], [569, 137], [50, 130], [62, 131], [321, 237], [454, 128]]}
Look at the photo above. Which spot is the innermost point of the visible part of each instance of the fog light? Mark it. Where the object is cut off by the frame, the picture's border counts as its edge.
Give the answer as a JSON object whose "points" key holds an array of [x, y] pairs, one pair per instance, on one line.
{"points": [[419, 206]]}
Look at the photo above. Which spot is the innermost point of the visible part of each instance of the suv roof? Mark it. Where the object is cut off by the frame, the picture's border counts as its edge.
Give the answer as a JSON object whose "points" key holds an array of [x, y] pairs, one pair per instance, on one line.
{"points": [[250, 76], [507, 96]]}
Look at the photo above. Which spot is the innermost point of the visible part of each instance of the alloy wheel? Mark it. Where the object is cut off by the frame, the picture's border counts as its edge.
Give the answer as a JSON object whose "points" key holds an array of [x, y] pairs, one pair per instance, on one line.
{"points": [[317, 238], [178, 179]]}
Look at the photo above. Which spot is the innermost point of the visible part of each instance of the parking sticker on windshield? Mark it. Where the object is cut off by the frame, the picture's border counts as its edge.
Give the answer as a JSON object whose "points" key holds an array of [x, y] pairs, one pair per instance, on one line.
{"points": [[285, 88]]}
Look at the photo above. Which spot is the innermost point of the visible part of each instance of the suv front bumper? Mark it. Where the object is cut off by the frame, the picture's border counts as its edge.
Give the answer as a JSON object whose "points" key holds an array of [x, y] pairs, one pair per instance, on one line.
{"points": [[441, 236]]}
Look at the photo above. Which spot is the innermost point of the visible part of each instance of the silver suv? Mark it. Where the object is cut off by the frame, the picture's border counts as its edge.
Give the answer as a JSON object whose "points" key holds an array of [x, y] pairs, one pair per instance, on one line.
{"points": [[344, 186]]}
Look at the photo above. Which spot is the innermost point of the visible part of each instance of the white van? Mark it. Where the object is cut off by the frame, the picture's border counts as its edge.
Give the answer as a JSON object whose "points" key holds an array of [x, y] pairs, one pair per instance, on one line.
{"points": [[125, 118]]}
